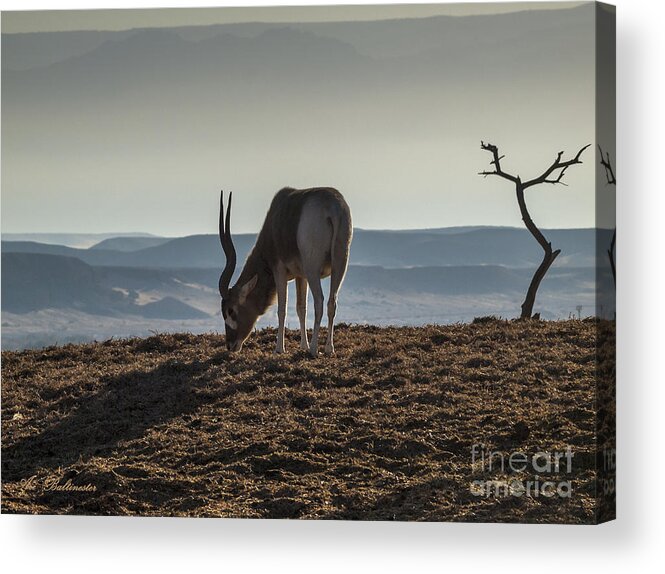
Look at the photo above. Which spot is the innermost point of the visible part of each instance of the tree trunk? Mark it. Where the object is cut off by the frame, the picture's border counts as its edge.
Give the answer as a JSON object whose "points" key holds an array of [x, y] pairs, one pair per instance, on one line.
{"points": [[548, 257], [610, 253]]}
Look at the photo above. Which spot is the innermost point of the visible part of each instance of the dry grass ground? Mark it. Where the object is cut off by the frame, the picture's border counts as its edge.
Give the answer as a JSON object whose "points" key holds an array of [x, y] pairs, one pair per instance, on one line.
{"points": [[174, 425]]}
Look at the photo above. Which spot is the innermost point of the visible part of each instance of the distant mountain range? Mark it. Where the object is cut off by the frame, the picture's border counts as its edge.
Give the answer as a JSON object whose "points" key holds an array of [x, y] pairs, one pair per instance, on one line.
{"points": [[31, 282], [129, 244], [78, 240], [270, 62], [511, 247], [135, 285], [376, 39]]}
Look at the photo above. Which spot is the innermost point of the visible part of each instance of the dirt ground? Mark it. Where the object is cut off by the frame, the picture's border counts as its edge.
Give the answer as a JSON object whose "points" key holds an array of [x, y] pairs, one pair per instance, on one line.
{"points": [[174, 425]]}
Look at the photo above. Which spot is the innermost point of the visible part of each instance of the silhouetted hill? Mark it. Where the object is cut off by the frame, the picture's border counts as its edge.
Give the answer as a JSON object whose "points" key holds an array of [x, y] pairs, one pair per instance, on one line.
{"points": [[191, 251], [40, 281], [482, 246], [378, 38], [450, 280], [290, 60], [159, 60], [27, 277], [23, 51], [89, 256], [33, 282], [129, 243], [511, 247], [170, 308], [77, 240]]}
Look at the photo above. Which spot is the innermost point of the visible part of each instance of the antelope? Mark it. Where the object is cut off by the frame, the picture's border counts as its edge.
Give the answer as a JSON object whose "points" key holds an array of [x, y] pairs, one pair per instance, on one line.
{"points": [[306, 236]]}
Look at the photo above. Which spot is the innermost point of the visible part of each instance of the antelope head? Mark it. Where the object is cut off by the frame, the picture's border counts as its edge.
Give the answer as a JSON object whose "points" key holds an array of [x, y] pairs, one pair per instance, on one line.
{"points": [[239, 309]]}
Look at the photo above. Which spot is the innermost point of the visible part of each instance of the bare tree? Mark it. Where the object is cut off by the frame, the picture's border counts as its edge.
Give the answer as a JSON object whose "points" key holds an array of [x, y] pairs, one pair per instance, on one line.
{"points": [[553, 175], [611, 180]]}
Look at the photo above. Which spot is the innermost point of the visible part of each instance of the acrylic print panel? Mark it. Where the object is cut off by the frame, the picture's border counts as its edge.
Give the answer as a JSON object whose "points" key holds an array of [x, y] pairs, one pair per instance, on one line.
{"points": [[437, 182]]}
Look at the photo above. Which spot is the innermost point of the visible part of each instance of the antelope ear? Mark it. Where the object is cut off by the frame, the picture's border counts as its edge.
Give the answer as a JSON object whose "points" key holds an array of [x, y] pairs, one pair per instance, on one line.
{"points": [[247, 288]]}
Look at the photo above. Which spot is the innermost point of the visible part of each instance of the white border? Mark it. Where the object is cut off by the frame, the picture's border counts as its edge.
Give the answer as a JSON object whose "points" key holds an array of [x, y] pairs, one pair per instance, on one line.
{"points": [[632, 543]]}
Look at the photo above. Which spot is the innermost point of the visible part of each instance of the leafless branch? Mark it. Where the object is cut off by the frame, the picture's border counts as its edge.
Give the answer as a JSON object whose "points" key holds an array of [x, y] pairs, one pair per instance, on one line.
{"points": [[607, 164], [611, 180], [496, 162], [558, 164]]}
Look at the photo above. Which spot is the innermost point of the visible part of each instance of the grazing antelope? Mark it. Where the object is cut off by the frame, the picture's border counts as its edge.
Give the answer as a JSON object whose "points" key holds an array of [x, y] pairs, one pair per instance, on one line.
{"points": [[305, 236]]}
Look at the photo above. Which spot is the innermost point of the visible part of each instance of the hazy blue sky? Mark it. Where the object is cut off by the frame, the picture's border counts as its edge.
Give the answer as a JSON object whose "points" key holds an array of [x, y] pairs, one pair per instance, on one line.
{"points": [[138, 131]]}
